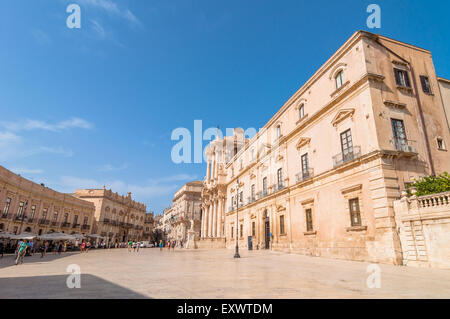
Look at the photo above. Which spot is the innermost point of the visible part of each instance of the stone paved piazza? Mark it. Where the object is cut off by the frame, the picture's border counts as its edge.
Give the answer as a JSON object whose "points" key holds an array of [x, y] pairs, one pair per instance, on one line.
{"points": [[150, 273]]}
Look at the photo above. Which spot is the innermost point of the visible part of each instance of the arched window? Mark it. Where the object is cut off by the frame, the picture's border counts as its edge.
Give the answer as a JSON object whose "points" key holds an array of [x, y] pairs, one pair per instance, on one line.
{"points": [[339, 79], [301, 111]]}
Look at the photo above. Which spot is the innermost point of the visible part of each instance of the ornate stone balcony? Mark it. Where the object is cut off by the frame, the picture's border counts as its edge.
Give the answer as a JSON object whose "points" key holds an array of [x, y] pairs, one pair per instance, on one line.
{"points": [[405, 146], [348, 156], [44, 222], [300, 177]]}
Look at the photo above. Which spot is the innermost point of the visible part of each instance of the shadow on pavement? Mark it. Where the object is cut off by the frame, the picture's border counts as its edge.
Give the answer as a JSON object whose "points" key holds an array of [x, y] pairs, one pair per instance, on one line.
{"points": [[55, 287], [9, 260]]}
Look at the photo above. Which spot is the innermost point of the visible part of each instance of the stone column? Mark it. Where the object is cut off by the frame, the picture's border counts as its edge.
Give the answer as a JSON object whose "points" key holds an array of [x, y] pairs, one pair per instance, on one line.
{"points": [[205, 221], [219, 217], [210, 213], [202, 222], [208, 170]]}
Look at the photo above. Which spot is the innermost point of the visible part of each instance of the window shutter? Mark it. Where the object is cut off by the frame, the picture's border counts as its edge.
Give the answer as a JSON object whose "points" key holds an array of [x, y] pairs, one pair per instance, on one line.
{"points": [[397, 76], [408, 83]]}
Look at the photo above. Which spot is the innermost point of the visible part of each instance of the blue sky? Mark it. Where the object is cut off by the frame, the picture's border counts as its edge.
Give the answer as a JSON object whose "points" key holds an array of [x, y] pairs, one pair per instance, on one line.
{"points": [[96, 106]]}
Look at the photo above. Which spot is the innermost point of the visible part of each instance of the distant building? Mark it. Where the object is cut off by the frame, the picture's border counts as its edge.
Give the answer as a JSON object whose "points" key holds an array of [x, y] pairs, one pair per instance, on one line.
{"points": [[117, 218], [186, 209], [30, 207]]}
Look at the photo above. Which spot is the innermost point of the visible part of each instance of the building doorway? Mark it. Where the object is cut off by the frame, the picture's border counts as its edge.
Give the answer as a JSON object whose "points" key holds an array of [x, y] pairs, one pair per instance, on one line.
{"points": [[267, 229]]}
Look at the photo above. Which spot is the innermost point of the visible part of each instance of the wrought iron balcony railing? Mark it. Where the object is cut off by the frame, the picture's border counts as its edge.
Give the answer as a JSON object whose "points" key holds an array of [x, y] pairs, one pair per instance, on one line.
{"points": [[75, 225], [85, 227], [404, 146], [65, 225], [304, 175], [347, 156], [44, 222], [6, 216]]}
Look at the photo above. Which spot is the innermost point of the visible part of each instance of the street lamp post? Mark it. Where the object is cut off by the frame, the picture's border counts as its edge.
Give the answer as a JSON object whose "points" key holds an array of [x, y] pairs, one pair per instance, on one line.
{"points": [[236, 255], [23, 217]]}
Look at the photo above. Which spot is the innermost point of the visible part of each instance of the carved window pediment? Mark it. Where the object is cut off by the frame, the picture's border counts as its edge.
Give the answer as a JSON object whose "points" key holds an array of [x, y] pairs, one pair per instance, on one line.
{"points": [[342, 115], [303, 141]]}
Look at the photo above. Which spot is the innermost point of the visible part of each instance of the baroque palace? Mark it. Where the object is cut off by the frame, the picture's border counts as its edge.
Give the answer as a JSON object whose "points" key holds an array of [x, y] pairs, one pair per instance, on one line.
{"points": [[320, 178], [184, 213], [33, 208]]}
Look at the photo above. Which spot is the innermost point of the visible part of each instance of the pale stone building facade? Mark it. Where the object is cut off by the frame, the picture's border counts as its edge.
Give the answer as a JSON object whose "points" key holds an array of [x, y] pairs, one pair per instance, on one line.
{"points": [[444, 86], [118, 218], [321, 176], [149, 226], [186, 208], [30, 207]]}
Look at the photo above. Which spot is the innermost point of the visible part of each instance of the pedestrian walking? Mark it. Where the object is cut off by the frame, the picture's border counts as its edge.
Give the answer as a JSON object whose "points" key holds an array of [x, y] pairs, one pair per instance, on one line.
{"points": [[160, 245], [44, 248], [88, 245], [21, 250], [60, 248], [83, 246], [130, 245]]}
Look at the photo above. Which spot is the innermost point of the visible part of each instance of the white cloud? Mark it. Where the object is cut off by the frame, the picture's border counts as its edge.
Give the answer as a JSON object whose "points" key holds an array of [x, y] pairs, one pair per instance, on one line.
{"points": [[112, 8], [98, 28], [110, 168], [70, 183], [56, 150], [176, 178], [29, 125], [23, 171], [40, 37]]}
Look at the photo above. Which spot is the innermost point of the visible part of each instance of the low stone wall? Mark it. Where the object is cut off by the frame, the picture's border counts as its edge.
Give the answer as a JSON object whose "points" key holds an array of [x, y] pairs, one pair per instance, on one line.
{"points": [[214, 243], [424, 228]]}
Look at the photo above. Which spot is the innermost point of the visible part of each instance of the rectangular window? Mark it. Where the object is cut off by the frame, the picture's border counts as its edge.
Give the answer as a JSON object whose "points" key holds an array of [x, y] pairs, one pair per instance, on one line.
{"points": [[309, 220], [301, 111], [55, 216], [339, 80], [305, 166], [355, 213], [440, 143], [278, 131], [347, 145], [241, 230], [44, 214], [86, 219], [265, 186], [6, 209], [398, 129], [253, 192], [232, 232], [282, 225], [33, 211], [253, 229], [280, 178], [425, 81], [75, 219], [66, 217], [20, 210], [402, 78]]}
